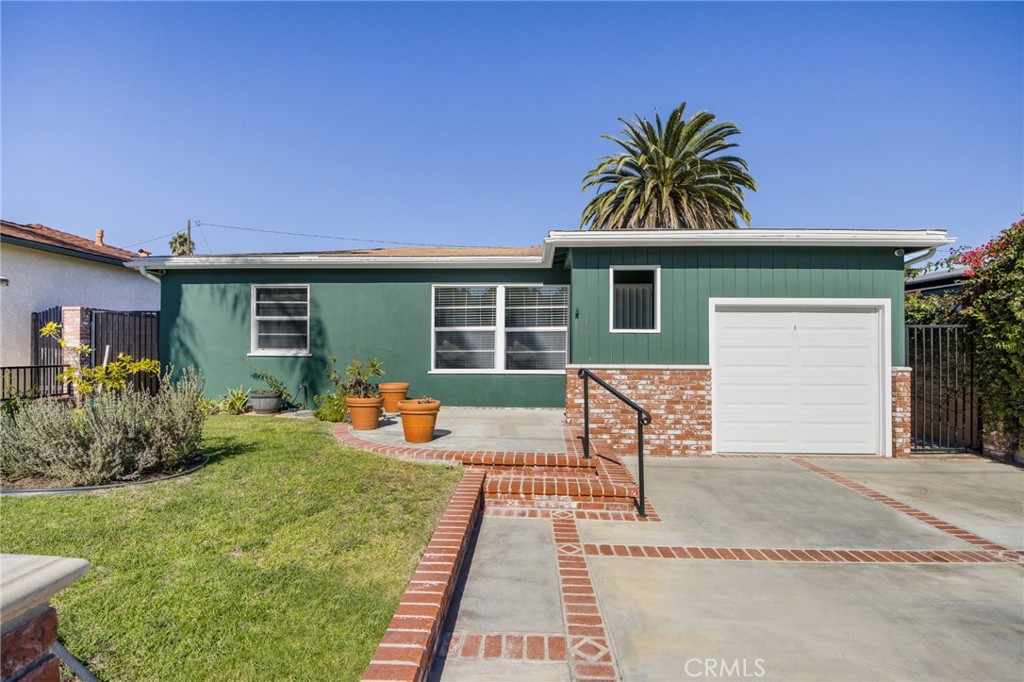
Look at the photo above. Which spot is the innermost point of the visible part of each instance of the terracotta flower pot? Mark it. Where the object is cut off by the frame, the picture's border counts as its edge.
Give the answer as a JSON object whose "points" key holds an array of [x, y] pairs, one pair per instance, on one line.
{"points": [[418, 419], [364, 412], [393, 393]]}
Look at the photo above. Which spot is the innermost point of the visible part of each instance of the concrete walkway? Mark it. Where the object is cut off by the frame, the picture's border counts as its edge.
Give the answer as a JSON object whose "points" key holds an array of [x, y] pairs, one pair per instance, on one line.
{"points": [[806, 569], [484, 429]]}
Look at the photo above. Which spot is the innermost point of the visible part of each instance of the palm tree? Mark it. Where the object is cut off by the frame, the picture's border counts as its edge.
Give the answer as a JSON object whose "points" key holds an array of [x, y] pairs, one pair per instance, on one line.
{"points": [[669, 177]]}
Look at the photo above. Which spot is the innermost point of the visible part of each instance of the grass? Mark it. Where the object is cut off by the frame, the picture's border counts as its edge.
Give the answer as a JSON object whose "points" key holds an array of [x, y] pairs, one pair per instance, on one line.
{"points": [[284, 558]]}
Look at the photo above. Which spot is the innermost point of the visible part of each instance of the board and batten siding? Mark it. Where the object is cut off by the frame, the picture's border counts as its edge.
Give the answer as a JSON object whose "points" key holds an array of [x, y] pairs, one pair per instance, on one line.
{"points": [[380, 313], [692, 275]]}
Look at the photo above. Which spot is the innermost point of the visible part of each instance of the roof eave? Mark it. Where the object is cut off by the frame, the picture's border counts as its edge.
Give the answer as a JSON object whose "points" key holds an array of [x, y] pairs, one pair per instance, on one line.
{"points": [[73, 253], [907, 239], [321, 262]]}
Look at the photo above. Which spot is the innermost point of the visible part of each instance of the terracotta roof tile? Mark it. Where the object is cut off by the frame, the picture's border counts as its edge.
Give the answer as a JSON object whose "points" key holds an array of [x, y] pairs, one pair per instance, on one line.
{"points": [[48, 236]]}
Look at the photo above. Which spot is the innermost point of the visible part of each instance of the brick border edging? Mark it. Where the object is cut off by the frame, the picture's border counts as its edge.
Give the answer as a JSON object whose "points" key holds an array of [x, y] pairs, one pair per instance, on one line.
{"points": [[410, 643]]}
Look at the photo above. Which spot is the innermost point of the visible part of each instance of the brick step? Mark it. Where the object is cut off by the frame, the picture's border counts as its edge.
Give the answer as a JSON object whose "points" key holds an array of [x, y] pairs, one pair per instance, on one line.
{"points": [[537, 471], [513, 460], [557, 491]]}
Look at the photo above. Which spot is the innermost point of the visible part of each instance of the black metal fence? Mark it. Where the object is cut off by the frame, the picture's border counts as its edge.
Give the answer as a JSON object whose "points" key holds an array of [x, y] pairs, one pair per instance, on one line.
{"points": [[31, 381], [135, 333], [945, 412]]}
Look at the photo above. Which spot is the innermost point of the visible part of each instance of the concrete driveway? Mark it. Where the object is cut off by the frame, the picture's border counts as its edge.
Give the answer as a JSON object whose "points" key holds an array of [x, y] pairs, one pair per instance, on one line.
{"points": [[776, 569]]}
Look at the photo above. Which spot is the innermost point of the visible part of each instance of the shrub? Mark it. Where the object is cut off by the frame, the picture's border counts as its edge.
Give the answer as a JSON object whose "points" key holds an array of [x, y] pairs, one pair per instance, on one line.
{"points": [[274, 384], [113, 436], [330, 407], [235, 401], [993, 303]]}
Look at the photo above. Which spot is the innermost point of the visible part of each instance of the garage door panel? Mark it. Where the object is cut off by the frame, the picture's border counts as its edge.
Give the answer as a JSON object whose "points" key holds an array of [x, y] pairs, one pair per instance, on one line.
{"points": [[812, 398], [802, 380]]}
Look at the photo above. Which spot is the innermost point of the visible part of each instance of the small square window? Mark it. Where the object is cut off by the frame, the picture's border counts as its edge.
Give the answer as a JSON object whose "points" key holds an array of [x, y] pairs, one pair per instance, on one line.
{"points": [[635, 299]]}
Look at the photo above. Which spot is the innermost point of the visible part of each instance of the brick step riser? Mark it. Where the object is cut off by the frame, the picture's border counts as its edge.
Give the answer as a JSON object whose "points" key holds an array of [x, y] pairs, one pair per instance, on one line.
{"points": [[540, 471], [576, 463], [558, 502]]}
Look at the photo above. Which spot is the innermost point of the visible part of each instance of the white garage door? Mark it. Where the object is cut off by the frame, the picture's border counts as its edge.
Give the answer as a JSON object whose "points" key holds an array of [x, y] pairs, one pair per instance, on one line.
{"points": [[797, 380]]}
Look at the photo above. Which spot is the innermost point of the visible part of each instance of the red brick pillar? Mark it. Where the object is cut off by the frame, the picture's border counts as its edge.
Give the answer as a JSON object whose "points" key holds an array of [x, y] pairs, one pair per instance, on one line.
{"points": [[77, 330], [28, 624], [901, 412]]}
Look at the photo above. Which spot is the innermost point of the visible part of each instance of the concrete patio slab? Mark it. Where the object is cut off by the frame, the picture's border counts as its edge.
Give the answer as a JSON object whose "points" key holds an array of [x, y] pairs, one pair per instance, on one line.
{"points": [[670, 619], [512, 583], [984, 497], [484, 429], [762, 503]]}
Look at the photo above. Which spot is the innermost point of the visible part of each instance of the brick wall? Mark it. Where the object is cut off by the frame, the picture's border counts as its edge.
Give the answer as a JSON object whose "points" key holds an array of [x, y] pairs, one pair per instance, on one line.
{"points": [[999, 445], [901, 412], [680, 401], [678, 398], [26, 648]]}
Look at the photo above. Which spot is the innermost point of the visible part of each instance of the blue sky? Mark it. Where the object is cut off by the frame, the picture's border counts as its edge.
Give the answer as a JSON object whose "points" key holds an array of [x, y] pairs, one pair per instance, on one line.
{"points": [[474, 123]]}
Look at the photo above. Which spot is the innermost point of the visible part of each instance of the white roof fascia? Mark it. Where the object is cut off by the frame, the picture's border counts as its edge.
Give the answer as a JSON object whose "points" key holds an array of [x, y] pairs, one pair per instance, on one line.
{"points": [[908, 239], [315, 262]]}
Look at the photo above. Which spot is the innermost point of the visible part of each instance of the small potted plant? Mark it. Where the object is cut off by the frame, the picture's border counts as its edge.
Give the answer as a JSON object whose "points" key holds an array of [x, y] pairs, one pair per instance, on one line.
{"points": [[362, 395], [419, 418], [265, 401], [393, 392]]}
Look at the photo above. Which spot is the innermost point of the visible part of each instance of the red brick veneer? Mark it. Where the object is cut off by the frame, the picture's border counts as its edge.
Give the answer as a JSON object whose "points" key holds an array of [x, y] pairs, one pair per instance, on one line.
{"points": [[679, 399], [901, 411], [26, 649], [411, 641]]}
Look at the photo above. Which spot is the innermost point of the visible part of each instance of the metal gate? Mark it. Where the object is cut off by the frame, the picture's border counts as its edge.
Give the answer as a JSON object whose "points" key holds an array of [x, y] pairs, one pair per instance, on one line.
{"points": [[945, 412], [46, 351], [135, 333]]}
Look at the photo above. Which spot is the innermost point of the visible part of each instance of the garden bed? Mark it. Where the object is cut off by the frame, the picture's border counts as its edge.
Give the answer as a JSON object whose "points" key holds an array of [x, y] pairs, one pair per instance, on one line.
{"points": [[284, 558]]}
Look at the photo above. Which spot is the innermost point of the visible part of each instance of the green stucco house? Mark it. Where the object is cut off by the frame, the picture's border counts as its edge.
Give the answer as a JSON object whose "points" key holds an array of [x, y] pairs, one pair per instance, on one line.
{"points": [[738, 341]]}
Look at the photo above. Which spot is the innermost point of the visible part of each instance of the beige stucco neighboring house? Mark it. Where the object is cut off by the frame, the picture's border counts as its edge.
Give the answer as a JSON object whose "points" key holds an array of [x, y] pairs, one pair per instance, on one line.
{"points": [[43, 267]]}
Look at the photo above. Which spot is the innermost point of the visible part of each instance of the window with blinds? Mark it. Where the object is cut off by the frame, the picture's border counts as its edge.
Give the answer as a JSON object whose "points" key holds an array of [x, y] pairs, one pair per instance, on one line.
{"points": [[280, 320], [634, 299], [501, 328]]}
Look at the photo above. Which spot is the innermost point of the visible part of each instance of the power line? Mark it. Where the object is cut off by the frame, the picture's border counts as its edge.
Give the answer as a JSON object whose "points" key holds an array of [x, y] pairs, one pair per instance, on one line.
{"points": [[146, 241], [200, 226], [323, 236]]}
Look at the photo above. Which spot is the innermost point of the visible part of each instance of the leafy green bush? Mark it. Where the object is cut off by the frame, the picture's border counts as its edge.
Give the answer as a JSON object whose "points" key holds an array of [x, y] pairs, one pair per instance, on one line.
{"points": [[330, 407], [235, 401], [113, 436]]}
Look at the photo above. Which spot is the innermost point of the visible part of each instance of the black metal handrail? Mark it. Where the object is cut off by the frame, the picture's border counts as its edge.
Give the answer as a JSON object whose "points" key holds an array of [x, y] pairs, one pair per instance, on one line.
{"points": [[643, 418]]}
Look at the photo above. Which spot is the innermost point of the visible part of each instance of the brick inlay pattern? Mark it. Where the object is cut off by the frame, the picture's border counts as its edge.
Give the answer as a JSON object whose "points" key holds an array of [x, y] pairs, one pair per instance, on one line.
{"points": [[525, 647], [1005, 553], [589, 648], [792, 555], [411, 640]]}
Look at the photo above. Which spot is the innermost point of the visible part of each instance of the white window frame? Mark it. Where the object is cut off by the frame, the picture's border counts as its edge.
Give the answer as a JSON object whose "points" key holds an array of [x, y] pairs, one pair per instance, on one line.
{"points": [[657, 298], [254, 327], [499, 329]]}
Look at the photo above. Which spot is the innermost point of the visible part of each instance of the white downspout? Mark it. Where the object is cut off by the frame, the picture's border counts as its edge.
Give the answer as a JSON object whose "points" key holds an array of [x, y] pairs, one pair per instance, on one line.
{"points": [[153, 278], [927, 254]]}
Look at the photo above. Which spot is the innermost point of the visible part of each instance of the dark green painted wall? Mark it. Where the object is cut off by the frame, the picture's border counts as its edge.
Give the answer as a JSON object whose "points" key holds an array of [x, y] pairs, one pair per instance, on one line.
{"points": [[382, 313], [386, 314], [690, 276]]}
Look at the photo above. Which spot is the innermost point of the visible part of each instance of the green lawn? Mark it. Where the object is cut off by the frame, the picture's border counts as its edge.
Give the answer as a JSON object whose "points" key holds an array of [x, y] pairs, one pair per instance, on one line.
{"points": [[284, 558]]}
